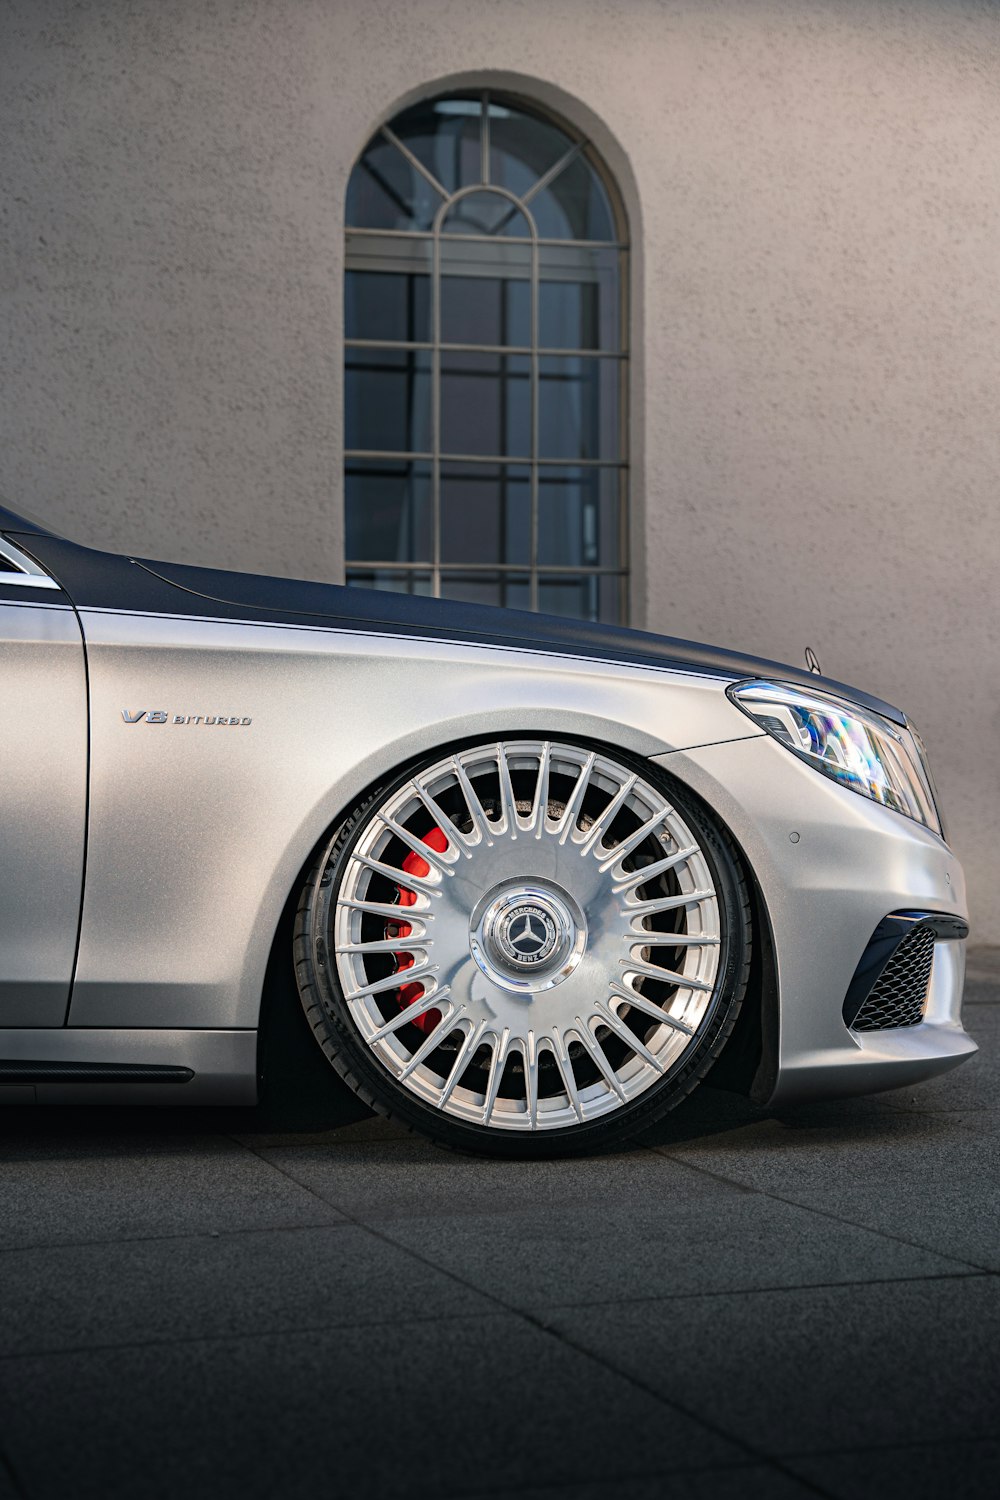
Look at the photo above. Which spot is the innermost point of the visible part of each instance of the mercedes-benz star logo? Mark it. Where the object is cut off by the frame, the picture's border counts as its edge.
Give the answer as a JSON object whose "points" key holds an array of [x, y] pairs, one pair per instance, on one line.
{"points": [[527, 940], [530, 934]]}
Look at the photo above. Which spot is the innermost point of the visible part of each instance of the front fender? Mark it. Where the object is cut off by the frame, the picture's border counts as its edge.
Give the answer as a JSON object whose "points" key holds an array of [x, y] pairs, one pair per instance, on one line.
{"points": [[199, 831]]}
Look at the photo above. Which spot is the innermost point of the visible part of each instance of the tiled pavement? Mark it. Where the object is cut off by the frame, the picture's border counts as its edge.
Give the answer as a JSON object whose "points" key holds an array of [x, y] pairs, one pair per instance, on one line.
{"points": [[743, 1306]]}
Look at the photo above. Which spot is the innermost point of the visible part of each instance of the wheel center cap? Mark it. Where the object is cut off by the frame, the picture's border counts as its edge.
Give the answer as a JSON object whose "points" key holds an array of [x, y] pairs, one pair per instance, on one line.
{"points": [[526, 936]]}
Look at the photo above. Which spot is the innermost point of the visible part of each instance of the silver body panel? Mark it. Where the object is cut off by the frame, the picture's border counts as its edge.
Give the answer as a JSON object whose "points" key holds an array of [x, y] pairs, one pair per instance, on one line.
{"points": [[852, 863], [198, 831]]}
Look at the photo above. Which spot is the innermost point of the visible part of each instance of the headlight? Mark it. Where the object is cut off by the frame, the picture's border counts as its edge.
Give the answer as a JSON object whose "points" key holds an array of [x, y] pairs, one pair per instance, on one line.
{"points": [[854, 746]]}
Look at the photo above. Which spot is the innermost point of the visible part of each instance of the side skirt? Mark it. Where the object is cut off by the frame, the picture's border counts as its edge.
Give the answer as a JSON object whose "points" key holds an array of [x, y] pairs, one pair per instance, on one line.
{"points": [[86, 1065]]}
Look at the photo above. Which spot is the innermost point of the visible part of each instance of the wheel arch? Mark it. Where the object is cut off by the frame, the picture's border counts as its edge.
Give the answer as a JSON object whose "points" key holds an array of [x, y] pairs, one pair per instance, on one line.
{"points": [[748, 1062]]}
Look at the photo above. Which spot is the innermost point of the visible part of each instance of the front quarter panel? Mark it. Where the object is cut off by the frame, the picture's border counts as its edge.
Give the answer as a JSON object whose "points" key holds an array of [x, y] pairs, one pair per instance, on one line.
{"points": [[199, 830], [830, 864]]}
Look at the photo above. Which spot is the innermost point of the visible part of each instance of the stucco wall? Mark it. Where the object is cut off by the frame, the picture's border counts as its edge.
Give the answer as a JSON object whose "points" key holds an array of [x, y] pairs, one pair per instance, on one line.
{"points": [[814, 190]]}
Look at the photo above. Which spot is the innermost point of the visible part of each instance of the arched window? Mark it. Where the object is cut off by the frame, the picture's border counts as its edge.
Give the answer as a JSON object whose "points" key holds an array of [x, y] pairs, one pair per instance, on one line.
{"points": [[485, 362]]}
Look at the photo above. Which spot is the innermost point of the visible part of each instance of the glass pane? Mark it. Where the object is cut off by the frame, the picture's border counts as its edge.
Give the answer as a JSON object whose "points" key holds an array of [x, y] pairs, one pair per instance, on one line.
{"points": [[578, 296], [388, 511], [387, 306], [485, 292], [387, 400], [475, 310], [588, 597], [578, 517], [511, 591], [443, 135], [574, 206], [568, 594], [612, 599], [578, 407], [522, 148], [387, 192], [485, 513], [486, 213], [391, 580], [486, 404]]}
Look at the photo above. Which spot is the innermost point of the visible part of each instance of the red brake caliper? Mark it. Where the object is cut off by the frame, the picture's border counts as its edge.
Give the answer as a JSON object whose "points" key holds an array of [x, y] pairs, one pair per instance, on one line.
{"points": [[409, 994]]}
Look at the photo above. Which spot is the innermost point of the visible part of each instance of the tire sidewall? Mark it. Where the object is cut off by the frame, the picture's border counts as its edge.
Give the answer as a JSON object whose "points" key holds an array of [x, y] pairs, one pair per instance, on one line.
{"points": [[337, 1033]]}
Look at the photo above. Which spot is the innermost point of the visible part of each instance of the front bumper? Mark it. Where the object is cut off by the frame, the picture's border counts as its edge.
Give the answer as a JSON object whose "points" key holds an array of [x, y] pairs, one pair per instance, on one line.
{"points": [[850, 863]]}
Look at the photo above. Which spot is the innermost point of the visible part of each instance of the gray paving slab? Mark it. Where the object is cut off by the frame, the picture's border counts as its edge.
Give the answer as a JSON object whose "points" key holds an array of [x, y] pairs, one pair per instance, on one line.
{"points": [[373, 1129], [816, 1147], [571, 1255], [962, 1471], [756, 1482], [982, 966], [275, 1301], [817, 1369], [143, 1291], [959, 1219], [974, 1085], [99, 1188], [418, 1410], [410, 1178]]}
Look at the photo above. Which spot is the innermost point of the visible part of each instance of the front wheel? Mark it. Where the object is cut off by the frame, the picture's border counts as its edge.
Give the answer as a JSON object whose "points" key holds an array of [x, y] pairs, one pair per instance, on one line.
{"points": [[525, 948]]}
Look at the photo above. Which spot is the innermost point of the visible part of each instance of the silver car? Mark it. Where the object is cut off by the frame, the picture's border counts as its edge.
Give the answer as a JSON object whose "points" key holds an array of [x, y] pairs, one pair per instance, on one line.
{"points": [[547, 876]]}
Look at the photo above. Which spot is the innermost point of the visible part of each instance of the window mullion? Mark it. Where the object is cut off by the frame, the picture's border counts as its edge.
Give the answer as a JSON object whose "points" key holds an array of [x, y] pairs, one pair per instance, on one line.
{"points": [[533, 471], [436, 417], [484, 141]]}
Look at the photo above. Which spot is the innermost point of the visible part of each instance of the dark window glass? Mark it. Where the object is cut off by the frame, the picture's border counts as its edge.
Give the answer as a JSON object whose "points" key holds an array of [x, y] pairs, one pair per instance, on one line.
{"points": [[387, 192], [508, 590], [578, 407], [388, 306], [485, 513], [578, 298], [485, 292], [480, 310], [593, 597], [486, 404], [387, 400], [523, 147], [578, 517], [388, 510], [574, 205], [489, 213], [444, 136], [391, 580]]}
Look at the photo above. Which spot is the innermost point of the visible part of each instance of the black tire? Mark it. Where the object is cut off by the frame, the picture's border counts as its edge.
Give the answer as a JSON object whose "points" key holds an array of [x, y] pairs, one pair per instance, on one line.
{"points": [[338, 1036]]}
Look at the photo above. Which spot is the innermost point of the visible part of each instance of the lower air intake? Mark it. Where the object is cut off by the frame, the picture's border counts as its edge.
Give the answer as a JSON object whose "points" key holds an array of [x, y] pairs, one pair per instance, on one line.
{"points": [[900, 993]]}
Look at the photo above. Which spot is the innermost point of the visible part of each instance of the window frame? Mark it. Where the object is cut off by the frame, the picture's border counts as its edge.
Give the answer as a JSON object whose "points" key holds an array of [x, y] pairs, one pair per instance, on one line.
{"points": [[359, 257]]}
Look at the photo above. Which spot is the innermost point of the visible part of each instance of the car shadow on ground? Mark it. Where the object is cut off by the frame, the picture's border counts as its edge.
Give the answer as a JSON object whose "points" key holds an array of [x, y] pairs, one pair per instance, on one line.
{"points": [[301, 1096], [327, 1113]]}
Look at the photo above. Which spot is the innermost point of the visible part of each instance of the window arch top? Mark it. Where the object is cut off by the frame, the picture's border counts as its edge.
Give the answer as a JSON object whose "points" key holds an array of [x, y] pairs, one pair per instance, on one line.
{"points": [[441, 148]]}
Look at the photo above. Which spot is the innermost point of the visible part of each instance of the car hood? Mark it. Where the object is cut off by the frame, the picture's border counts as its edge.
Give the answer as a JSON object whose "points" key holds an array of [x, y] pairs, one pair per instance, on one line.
{"points": [[378, 610], [107, 580]]}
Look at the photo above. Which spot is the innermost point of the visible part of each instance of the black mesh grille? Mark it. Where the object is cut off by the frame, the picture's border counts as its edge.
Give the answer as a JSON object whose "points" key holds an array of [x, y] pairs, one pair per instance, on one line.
{"points": [[901, 989]]}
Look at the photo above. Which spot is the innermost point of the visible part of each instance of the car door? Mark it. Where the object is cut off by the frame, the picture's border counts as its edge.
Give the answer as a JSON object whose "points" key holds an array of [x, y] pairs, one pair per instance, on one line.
{"points": [[43, 790]]}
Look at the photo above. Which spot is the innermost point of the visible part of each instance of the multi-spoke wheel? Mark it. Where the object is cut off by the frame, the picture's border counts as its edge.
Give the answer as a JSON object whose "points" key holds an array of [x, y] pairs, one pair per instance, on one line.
{"points": [[524, 946]]}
